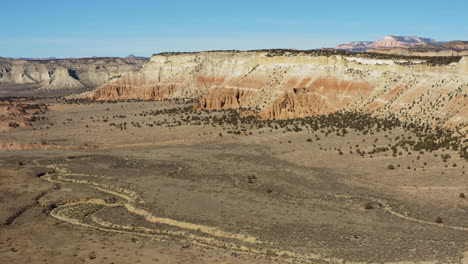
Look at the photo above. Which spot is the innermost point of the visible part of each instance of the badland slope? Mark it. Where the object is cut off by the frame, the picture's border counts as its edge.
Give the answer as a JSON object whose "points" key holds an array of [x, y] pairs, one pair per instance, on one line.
{"points": [[60, 74], [280, 84]]}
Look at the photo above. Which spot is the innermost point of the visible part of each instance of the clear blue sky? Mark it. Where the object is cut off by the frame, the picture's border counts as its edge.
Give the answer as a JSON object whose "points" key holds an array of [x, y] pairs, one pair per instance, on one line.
{"points": [[78, 28]]}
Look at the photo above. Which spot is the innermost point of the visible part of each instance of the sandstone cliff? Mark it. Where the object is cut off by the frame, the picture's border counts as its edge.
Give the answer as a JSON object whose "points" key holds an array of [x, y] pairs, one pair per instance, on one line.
{"points": [[290, 85], [66, 73]]}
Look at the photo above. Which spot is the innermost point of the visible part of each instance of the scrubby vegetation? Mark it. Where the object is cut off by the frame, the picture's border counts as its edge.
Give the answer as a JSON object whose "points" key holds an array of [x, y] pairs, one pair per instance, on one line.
{"points": [[435, 60], [381, 136], [420, 139]]}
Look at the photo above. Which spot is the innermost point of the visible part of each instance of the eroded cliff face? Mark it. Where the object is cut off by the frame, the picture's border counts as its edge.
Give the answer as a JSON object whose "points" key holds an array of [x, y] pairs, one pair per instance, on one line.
{"points": [[66, 73], [297, 85]]}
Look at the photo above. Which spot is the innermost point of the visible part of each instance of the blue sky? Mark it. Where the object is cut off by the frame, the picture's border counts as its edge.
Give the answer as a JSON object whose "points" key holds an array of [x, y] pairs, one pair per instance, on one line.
{"points": [[80, 28]]}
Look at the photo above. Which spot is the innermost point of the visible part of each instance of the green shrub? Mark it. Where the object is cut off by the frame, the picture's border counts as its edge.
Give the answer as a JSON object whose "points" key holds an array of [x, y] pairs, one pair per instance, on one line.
{"points": [[368, 206]]}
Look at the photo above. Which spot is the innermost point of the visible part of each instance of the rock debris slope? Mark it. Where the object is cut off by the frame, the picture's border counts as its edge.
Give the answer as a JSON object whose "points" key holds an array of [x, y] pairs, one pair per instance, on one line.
{"points": [[288, 84]]}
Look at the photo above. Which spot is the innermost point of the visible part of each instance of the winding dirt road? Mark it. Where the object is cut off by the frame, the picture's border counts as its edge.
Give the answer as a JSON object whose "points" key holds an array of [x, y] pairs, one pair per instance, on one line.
{"points": [[82, 213]]}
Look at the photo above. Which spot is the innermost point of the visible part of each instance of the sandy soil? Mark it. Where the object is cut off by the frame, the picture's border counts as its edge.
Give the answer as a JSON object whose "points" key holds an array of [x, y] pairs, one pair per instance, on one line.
{"points": [[161, 189]]}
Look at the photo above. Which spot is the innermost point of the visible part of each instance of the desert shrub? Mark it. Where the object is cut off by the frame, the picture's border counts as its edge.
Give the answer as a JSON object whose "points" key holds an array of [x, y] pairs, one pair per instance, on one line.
{"points": [[251, 178], [368, 206]]}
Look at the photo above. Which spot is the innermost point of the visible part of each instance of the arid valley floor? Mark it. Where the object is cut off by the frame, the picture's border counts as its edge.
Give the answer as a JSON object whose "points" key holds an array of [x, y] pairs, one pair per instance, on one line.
{"points": [[160, 182]]}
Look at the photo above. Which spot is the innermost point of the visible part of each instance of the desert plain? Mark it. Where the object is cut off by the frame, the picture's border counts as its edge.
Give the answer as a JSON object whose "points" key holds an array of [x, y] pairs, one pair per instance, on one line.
{"points": [[138, 181]]}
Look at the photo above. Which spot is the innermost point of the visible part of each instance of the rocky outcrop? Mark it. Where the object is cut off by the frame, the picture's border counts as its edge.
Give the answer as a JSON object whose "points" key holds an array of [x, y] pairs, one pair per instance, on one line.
{"points": [[322, 96], [226, 98], [135, 86], [297, 84], [66, 73]]}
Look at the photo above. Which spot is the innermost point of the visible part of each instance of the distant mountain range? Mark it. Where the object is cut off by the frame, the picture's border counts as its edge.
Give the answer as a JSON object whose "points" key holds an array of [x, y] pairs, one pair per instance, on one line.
{"points": [[408, 46]]}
